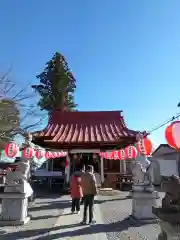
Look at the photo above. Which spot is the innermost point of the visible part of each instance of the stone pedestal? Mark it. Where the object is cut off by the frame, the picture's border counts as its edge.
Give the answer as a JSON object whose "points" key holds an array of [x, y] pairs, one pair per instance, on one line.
{"points": [[143, 198], [14, 209], [169, 232]]}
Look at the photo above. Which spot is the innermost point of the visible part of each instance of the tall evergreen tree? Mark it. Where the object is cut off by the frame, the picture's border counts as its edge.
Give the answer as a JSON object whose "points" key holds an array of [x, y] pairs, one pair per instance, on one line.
{"points": [[57, 86]]}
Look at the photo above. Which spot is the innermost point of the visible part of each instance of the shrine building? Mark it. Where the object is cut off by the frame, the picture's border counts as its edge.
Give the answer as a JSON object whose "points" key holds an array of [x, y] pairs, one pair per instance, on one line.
{"points": [[83, 135]]}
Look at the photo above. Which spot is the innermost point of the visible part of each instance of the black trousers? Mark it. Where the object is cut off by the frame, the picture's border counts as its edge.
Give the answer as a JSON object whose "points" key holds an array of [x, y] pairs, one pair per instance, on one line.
{"points": [[88, 203], [75, 204], [82, 200]]}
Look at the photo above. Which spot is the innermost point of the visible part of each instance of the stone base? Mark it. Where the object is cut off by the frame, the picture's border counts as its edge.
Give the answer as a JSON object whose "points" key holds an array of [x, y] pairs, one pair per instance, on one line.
{"points": [[130, 194], [14, 222], [14, 208], [169, 232], [142, 188], [142, 203]]}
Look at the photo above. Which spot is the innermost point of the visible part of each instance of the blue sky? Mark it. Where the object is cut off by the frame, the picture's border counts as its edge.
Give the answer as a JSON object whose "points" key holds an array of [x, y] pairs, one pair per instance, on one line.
{"points": [[124, 54]]}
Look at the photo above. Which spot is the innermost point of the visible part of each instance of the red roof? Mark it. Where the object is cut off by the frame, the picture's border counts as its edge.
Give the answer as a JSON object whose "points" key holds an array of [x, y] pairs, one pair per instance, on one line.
{"points": [[86, 127]]}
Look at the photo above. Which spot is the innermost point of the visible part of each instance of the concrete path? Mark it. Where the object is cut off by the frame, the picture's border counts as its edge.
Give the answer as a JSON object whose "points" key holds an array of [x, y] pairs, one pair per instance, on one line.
{"points": [[52, 220], [44, 214], [68, 227]]}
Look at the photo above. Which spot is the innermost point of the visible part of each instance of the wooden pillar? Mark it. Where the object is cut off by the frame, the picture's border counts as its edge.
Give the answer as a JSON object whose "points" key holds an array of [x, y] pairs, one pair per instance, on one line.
{"points": [[102, 169]]}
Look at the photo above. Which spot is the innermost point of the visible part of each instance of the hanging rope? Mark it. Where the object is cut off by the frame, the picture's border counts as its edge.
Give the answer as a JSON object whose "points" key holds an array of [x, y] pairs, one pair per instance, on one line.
{"points": [[165, 123]]}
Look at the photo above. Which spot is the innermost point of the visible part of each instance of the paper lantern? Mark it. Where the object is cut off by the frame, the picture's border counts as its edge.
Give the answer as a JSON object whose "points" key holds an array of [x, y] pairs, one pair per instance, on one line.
{"points": [[105, 155], [109, 155], [54, 154], [122, 154], [115, 155], [131, 152], [48, 155], [11, 150], [39, 154], [144, 146], [101, 154], [28, 152], [172, 135], [59, 154]]}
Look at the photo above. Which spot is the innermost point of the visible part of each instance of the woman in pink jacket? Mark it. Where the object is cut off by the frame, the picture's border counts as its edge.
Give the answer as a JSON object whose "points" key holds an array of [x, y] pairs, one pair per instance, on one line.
{"points": [[76, 192]]}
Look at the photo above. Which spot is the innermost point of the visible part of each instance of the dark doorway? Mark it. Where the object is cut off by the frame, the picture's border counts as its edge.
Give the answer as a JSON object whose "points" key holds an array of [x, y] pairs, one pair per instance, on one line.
{"points": [[78, 161]]}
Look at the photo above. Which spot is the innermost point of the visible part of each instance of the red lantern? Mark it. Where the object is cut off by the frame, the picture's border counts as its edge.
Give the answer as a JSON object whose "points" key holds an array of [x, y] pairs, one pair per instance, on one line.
{"points": [[172, 135], [48, 155], [144, 146], [54, 155], [11, 150], [109, 155], [115, 155], [122, 154], [131, 152], [105, 155], [28, 152], [101, 154], [39, 154]]}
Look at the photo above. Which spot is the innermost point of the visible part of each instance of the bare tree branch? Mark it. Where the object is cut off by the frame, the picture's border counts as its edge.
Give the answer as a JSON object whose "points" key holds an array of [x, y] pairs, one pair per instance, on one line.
{"points": [[30, 115]]}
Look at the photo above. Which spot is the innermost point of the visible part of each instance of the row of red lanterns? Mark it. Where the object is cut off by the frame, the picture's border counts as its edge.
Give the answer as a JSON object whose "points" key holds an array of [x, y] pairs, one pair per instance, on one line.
{"points": [[144, 147], [12, 150]]}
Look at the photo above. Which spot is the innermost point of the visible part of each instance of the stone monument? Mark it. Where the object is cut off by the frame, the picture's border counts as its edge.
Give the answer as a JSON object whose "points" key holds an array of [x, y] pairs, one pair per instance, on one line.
{"points": [[169, 212], [16, 193], [143, 193]]}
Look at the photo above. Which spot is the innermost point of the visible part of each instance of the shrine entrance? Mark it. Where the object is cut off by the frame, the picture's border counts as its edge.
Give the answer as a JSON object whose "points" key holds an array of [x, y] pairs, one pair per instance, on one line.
{"points": [[82, 160]]}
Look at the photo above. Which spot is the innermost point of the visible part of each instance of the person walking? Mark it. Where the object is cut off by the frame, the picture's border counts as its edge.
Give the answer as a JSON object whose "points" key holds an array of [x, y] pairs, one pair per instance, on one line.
{"points": [[89, 191], [76, 192]]}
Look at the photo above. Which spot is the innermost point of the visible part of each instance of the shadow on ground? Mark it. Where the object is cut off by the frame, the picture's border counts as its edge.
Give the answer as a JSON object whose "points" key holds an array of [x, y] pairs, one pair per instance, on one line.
{"points": [[98, 228], [52, 205], [99, 201]]}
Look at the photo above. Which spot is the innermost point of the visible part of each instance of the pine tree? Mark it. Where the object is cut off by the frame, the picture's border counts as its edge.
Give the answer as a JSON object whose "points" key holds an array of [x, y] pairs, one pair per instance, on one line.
{"points": [[57, 86]]}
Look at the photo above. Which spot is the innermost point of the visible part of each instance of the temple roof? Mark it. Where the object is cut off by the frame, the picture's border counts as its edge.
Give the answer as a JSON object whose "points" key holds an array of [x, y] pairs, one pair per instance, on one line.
{"points": [[86, 127]]}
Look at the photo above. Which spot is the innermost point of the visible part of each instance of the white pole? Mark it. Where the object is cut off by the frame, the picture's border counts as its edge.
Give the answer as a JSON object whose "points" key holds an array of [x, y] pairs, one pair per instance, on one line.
{"points": [[102, 169], [68, 168], [124, 164]]}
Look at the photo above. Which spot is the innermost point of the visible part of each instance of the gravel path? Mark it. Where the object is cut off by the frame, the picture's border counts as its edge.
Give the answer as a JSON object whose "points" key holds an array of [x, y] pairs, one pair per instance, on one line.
{"points": [[116, 209]]}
